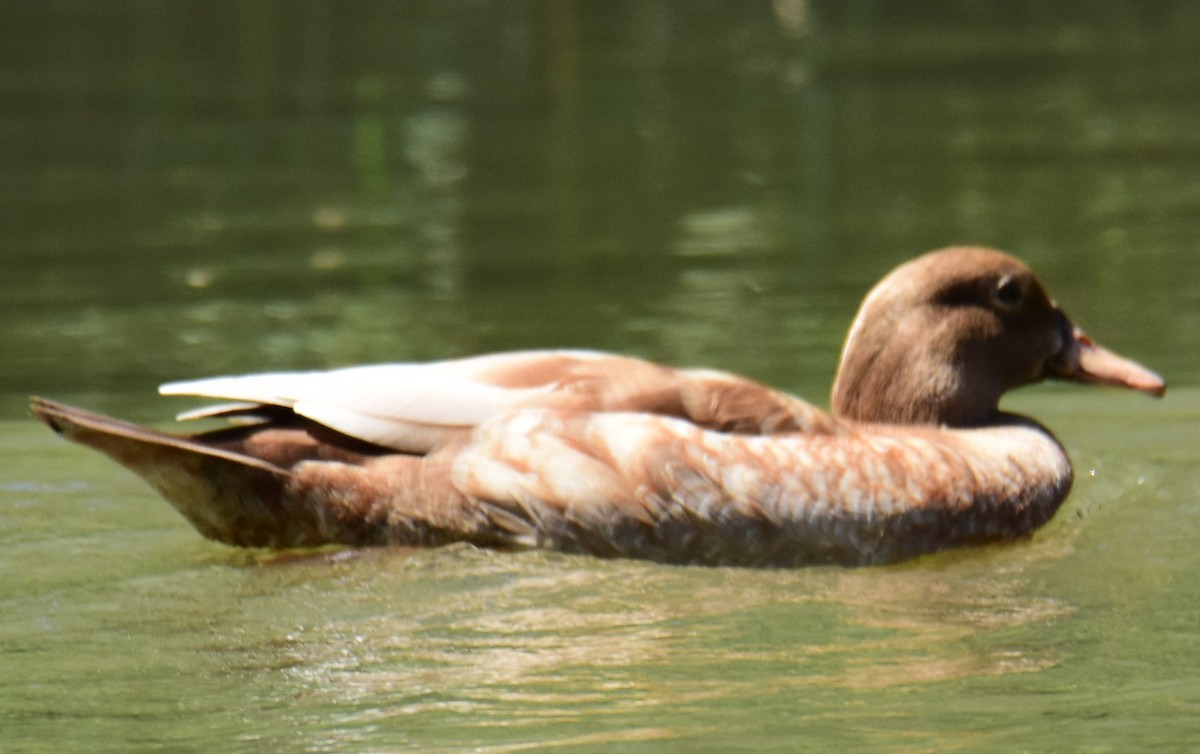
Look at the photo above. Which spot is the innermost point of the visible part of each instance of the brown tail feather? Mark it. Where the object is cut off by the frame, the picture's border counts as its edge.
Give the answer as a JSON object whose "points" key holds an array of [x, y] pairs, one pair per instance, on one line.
{"points": [[231, 498]]}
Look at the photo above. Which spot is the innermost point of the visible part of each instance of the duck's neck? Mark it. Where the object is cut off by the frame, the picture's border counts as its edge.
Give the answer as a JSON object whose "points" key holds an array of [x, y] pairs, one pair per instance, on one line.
{"points": [[914, 385]]}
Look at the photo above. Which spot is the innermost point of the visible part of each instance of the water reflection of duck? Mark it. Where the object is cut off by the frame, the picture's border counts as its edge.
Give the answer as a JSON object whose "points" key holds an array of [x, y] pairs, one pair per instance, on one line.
{"points": [[590, 452]]}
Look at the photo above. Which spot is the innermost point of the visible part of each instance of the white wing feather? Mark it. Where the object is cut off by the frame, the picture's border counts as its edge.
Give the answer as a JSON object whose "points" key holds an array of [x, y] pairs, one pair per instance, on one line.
{"points": [[408, 407]]}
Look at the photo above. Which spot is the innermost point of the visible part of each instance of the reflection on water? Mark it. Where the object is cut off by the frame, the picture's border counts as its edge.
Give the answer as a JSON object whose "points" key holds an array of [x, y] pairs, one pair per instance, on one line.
{"points": [[504, 646], [852, 630], [219, 187]]}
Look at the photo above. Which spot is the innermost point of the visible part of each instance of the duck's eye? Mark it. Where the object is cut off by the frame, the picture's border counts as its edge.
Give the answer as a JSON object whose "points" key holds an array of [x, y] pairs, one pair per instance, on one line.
{"points": [[1008, 293]]}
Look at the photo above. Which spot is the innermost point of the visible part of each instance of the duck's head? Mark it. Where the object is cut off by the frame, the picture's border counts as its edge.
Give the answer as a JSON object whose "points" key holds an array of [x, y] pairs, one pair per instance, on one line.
{"points": [[942, 337]]}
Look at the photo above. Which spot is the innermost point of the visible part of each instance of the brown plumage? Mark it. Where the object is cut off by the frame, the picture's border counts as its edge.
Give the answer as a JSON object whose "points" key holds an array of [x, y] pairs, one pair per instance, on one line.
{"points": [[595, 453]]}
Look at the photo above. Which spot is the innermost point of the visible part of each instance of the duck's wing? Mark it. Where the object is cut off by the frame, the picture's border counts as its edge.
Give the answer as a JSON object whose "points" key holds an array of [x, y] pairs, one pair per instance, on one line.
{"points": [[416, 407], [407, 407]]}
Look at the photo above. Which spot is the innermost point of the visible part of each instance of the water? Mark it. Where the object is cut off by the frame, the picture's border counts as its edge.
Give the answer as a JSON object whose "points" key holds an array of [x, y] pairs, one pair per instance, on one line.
{"points": [[220, 187]]}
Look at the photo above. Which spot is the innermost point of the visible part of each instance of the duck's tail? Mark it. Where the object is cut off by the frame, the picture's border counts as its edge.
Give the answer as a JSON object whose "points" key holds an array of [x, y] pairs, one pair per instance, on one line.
{"points": [[228, 497]]}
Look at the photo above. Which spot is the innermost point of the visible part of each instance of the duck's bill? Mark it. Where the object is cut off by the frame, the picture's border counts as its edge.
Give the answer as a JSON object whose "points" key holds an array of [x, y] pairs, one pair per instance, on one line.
{"points": [[1082, 360]]}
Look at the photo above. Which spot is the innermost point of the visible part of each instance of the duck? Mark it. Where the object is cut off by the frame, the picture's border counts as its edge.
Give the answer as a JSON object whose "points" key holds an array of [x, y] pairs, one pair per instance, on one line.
{"points": [[618, 457]]}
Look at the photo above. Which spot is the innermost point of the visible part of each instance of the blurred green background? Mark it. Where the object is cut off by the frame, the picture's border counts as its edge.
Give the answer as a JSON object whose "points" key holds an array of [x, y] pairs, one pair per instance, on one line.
{"points": [[200, 187]]}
